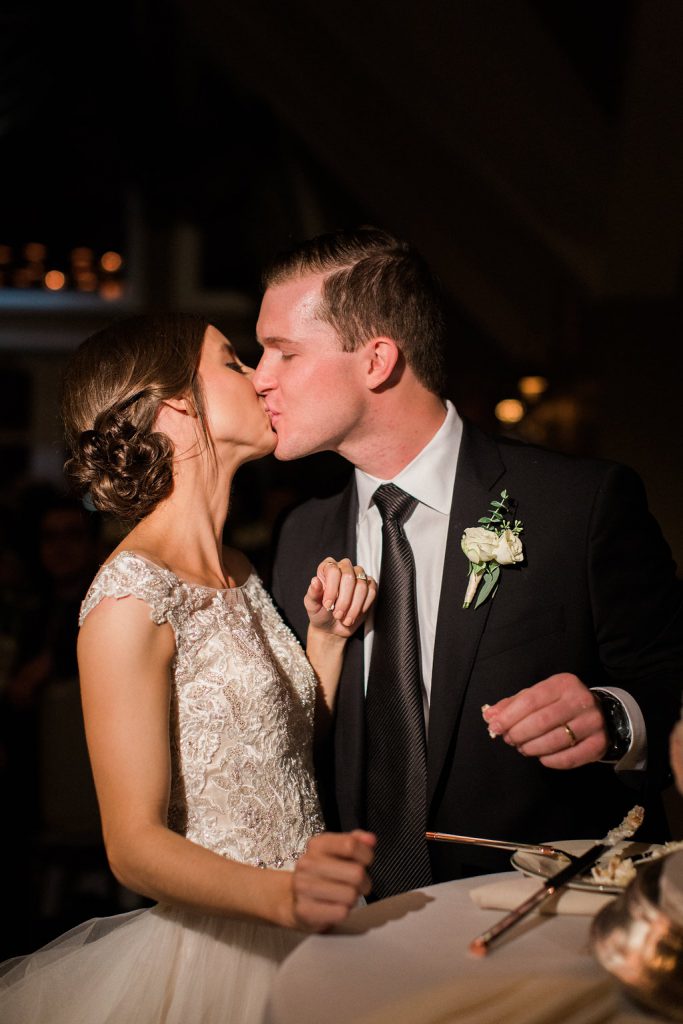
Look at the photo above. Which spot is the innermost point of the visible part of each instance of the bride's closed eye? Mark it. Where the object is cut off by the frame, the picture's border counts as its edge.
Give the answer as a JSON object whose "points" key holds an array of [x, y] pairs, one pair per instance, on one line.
{"points": [[237, 367]]}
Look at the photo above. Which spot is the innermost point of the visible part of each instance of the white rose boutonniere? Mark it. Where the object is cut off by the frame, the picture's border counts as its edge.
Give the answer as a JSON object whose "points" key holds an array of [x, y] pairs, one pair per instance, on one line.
{"points": [[496, 542]]}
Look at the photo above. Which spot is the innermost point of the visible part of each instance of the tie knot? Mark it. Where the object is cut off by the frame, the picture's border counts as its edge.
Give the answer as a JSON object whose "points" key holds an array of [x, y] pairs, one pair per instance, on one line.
{"points": [[394, 504]]}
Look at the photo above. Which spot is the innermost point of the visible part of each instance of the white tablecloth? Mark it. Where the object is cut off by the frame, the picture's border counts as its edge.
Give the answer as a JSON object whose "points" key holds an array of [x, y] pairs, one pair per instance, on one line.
{"points": [[405, 960]]}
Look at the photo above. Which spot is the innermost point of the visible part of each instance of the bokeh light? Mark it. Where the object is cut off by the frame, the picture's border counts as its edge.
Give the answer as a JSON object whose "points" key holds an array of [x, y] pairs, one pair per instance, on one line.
{"points": [[533, 386], [111, 262], [55, 280], [510, 410]]}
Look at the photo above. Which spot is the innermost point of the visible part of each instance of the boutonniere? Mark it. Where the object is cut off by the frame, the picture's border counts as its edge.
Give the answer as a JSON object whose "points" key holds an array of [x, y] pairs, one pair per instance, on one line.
{"points": [[496, 542]]}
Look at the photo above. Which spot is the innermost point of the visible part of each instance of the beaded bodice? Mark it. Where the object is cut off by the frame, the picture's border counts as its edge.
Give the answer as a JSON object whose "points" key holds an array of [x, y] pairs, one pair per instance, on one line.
{"points": [[241, 722]]}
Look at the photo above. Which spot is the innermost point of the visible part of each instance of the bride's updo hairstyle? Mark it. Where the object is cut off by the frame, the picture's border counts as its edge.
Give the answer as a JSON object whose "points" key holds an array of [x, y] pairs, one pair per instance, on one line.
{"points": [[112, 391]]}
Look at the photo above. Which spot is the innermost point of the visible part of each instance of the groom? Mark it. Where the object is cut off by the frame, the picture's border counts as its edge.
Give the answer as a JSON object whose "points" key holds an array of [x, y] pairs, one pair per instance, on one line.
{"points": [[577, 653]]}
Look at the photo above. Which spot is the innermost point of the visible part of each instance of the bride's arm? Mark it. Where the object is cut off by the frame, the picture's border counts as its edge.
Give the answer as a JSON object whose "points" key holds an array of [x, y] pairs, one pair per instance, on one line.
{"points": [[124, 663], [337, 601]]}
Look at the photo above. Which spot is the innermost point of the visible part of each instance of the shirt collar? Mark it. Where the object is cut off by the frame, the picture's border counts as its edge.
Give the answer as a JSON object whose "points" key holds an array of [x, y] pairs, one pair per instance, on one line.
{"points": [[431, 474]]}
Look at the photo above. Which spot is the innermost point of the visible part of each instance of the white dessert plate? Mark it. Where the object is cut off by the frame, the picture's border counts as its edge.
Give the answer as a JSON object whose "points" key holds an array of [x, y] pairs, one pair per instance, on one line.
{"points": [[542, 866]]}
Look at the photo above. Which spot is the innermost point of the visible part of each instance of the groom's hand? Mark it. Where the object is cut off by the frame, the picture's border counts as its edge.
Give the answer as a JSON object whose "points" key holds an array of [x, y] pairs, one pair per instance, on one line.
{"points": [[558, 720], [330, 876]]}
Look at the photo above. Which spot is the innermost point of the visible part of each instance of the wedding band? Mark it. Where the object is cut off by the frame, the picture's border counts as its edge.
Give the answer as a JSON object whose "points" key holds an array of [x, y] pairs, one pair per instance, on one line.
{"points": [[570, 733], [361, 576]]}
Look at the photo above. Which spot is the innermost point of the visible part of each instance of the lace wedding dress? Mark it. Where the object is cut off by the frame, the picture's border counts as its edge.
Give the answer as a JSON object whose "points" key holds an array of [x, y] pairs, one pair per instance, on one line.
{"points": [[241, 724]]}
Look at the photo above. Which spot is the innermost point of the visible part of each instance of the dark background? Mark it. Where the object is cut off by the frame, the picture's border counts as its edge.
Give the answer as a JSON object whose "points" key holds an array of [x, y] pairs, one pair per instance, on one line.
{"points": [[531, 149]]}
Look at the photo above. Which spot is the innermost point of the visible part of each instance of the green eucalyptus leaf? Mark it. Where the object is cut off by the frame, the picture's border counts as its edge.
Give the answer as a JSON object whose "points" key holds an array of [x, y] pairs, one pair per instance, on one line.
{"points": [[487, 588]]}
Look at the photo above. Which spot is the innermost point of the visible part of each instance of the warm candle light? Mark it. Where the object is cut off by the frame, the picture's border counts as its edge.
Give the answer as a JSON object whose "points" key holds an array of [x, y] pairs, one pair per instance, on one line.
{"points": [[81, 257], [86, 281], [35, 252], [54, 280], [111, 262], [111, 290], [533, 386], [22, 278], [510, 410]]}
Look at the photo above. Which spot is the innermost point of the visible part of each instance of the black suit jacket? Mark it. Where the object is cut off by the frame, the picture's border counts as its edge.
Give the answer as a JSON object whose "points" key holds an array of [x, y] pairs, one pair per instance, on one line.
{"points": [[596, 596]]}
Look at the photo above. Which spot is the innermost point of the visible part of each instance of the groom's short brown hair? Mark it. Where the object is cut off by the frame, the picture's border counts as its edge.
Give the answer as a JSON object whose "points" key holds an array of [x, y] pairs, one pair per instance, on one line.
{"points": [[375, 285]]}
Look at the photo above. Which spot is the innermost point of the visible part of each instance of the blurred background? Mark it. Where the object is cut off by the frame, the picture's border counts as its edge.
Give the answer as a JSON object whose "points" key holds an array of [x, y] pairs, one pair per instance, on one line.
{"points": [[154, 154]]}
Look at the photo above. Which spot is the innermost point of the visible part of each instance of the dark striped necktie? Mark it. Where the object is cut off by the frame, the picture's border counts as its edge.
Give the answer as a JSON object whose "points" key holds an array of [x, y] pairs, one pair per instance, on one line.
{"points": [[395, 728]]}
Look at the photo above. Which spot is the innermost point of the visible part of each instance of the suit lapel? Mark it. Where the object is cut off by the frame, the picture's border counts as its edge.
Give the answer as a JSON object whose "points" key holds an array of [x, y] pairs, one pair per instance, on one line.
{"points": [[459, 631]]}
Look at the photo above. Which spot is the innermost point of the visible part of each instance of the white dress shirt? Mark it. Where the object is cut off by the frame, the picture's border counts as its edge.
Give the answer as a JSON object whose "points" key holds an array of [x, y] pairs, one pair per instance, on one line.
{"points": [[430, 478]]}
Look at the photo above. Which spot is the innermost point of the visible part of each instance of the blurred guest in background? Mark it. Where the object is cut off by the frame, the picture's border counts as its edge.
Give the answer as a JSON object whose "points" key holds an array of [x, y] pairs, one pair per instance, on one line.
{"points": [[67, 558], [13, 588], [58, 851]]}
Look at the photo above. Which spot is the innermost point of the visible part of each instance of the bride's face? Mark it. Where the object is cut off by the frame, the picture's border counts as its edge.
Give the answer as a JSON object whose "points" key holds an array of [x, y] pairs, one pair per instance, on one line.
{"points": [[236, 415]]}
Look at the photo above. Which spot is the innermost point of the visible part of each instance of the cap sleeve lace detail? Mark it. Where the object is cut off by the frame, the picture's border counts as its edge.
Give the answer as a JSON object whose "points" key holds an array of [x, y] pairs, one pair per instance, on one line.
{"points": [[241, 714], [130, 575]]}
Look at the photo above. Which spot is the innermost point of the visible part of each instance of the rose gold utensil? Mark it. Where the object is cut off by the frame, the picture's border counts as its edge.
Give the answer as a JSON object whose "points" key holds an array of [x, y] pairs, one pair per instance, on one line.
{"points": [[500, 844], [633, 820]]}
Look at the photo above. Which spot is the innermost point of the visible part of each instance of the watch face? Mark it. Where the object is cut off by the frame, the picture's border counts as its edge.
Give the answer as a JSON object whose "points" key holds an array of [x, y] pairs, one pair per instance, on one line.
{"points": [[620, 721], [617, 725]]}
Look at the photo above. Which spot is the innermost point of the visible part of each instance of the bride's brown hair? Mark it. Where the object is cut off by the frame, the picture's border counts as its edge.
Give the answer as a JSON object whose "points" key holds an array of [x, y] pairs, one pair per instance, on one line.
{"points": [[112, 390]]}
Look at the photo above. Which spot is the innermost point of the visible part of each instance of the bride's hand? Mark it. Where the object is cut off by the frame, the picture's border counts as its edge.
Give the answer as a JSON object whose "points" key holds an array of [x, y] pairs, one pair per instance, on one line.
{"points": [[339, 597], [329, 878]]}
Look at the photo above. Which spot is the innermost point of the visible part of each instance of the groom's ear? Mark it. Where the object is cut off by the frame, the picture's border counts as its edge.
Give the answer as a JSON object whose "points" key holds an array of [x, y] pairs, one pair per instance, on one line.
{"points": [[381, 356]]}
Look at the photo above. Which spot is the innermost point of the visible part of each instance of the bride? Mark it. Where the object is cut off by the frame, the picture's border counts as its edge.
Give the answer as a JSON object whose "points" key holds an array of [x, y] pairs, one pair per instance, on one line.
{"points": [[198, 702]]}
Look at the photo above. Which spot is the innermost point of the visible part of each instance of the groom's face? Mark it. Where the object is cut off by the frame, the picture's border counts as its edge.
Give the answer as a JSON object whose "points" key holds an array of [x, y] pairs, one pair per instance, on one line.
{"points": [[313, 390]]}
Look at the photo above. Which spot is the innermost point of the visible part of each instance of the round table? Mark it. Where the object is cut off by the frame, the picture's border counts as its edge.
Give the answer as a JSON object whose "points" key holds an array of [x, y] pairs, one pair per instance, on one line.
{"points": [[392, 951]]}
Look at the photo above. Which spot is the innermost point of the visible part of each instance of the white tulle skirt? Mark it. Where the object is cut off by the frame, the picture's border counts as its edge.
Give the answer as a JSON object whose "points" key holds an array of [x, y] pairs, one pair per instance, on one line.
{"points": [[162, 965]]}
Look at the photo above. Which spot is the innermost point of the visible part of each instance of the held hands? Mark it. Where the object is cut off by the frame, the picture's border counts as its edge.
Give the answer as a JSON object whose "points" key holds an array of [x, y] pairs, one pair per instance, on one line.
{"points": [[329, 878], [339, 597], [558, 721]]}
